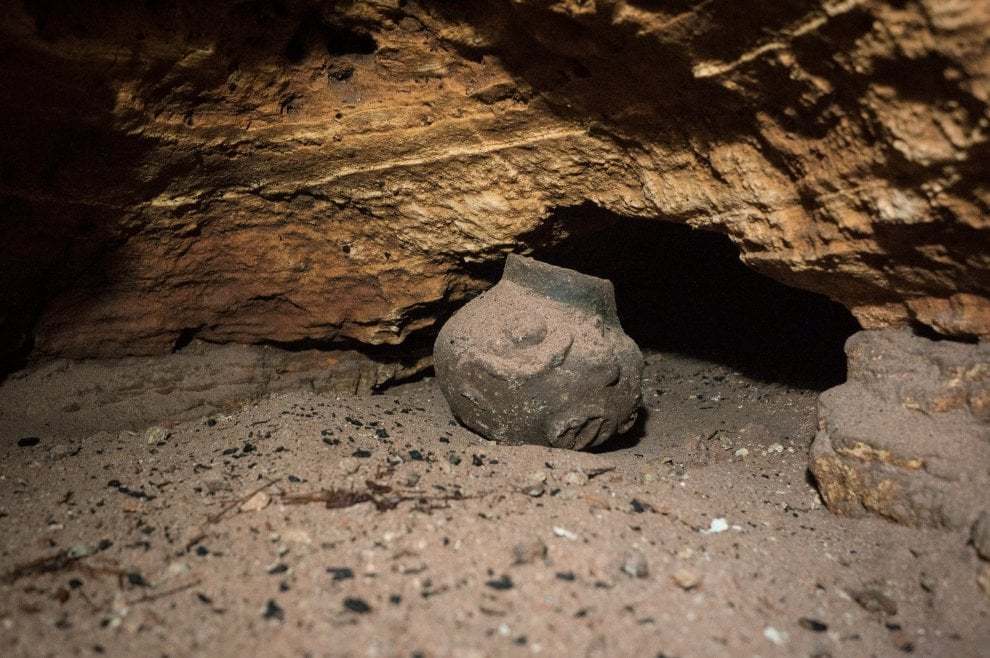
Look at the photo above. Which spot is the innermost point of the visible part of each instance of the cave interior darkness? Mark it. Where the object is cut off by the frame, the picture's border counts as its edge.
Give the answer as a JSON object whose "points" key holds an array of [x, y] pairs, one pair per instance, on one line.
{"points": [[685, 290]]}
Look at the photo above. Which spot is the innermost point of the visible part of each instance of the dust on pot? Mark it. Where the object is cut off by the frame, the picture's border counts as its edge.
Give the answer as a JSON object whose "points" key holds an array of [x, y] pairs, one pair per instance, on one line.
{"points": [[541, 358]]}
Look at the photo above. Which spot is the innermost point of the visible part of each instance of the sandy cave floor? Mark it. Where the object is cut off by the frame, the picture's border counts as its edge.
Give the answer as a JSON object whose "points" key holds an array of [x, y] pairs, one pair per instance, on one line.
{"points": [[324, 525]]}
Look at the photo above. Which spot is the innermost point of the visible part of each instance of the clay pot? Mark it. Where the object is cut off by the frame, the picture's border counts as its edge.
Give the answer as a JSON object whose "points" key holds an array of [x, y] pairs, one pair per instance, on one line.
{"points": [[541, 358]]}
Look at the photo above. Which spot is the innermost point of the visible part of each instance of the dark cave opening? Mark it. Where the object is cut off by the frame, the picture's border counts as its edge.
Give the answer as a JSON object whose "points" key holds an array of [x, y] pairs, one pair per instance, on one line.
{"points": [[338, 39], [685, 290]]}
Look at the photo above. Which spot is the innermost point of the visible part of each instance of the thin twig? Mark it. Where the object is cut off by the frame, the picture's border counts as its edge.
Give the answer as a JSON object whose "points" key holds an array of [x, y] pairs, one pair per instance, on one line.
{"points": [[215, 518], [168, 592]]}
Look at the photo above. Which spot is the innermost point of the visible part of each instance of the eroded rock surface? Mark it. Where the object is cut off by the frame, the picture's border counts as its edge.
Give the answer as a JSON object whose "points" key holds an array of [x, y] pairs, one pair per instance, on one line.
{"points": [[908, 436], [130, 393], [290, 172]]}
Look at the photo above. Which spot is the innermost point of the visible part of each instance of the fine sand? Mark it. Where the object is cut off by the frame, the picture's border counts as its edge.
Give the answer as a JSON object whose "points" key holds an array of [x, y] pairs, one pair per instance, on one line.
{"points": [[323, 525]]}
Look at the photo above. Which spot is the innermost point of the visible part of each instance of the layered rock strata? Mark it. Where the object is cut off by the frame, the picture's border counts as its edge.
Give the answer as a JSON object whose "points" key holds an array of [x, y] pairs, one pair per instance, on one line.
{"points": [[342, 173]]}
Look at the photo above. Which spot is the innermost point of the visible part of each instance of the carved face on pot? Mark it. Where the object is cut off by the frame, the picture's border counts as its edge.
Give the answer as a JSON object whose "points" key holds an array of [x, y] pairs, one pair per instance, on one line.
{"points": [[541, 358]]}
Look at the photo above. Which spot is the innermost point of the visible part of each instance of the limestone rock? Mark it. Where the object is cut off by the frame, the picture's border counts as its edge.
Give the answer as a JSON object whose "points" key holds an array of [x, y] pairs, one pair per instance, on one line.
{"points": [[343, 173], [908, 435]]}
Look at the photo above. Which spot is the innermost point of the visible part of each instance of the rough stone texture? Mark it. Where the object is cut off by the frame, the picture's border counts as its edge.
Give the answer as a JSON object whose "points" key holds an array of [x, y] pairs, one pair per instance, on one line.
{"points": [[295, 172], [541, 358], [908, 436], [981, 535], [201, 380]]}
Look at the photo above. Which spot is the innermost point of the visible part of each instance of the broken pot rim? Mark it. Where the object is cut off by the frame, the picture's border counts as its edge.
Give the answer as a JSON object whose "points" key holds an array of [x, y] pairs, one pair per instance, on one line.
{"points": [[584, 292]]}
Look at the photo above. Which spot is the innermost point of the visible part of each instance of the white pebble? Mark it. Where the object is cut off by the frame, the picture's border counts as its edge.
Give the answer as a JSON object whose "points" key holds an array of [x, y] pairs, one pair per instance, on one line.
{"points": [[717, 525], [777, 637]]}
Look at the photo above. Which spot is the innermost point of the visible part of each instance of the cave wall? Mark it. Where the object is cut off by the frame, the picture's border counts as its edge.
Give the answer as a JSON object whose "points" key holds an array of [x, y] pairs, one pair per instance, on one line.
{"points": [[304, 173]]}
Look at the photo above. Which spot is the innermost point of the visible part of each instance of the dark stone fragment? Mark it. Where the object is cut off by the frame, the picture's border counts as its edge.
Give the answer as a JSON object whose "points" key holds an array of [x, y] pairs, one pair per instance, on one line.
{"points": [[416, 455], [340, 573], [395, 599], [136, 579], [639, 507], [381, 433], [566, 575], [813, 625], [28, 442], [273, 611], [202, 550], [874, 601], [281, 567], [361, 454], [477, 460], [502, 583], [75, 583], [229, 451], [454, 458], [357, 605]]}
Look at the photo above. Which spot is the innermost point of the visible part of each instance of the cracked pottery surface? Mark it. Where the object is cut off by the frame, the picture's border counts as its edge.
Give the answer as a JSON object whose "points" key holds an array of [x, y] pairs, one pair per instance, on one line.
{"points": [[541, 358]]}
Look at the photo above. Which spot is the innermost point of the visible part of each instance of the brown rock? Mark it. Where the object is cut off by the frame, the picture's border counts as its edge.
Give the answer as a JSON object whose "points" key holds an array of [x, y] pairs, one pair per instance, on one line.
{"points": [[687, 578], [981, 535], [902, 437], [224, 172], [256, 503], [983, 579]]}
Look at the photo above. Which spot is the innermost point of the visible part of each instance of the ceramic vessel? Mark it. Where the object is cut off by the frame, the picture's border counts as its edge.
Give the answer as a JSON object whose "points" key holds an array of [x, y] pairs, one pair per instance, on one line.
{"points": [[541, 358]]}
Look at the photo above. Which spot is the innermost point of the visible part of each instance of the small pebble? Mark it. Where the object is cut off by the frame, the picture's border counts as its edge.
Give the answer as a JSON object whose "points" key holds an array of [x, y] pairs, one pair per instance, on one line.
{"points": [[354, 604], [28, 442], [565, 533], [501, 583], [528, 552], [575, 478], [777, 637], [717, 525], [873, 600], [634, 564], [340, 573], [155, 435], [534, 490], [812, 625], [256, 503], [64, 450], [273, 611], [687, 579]]}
